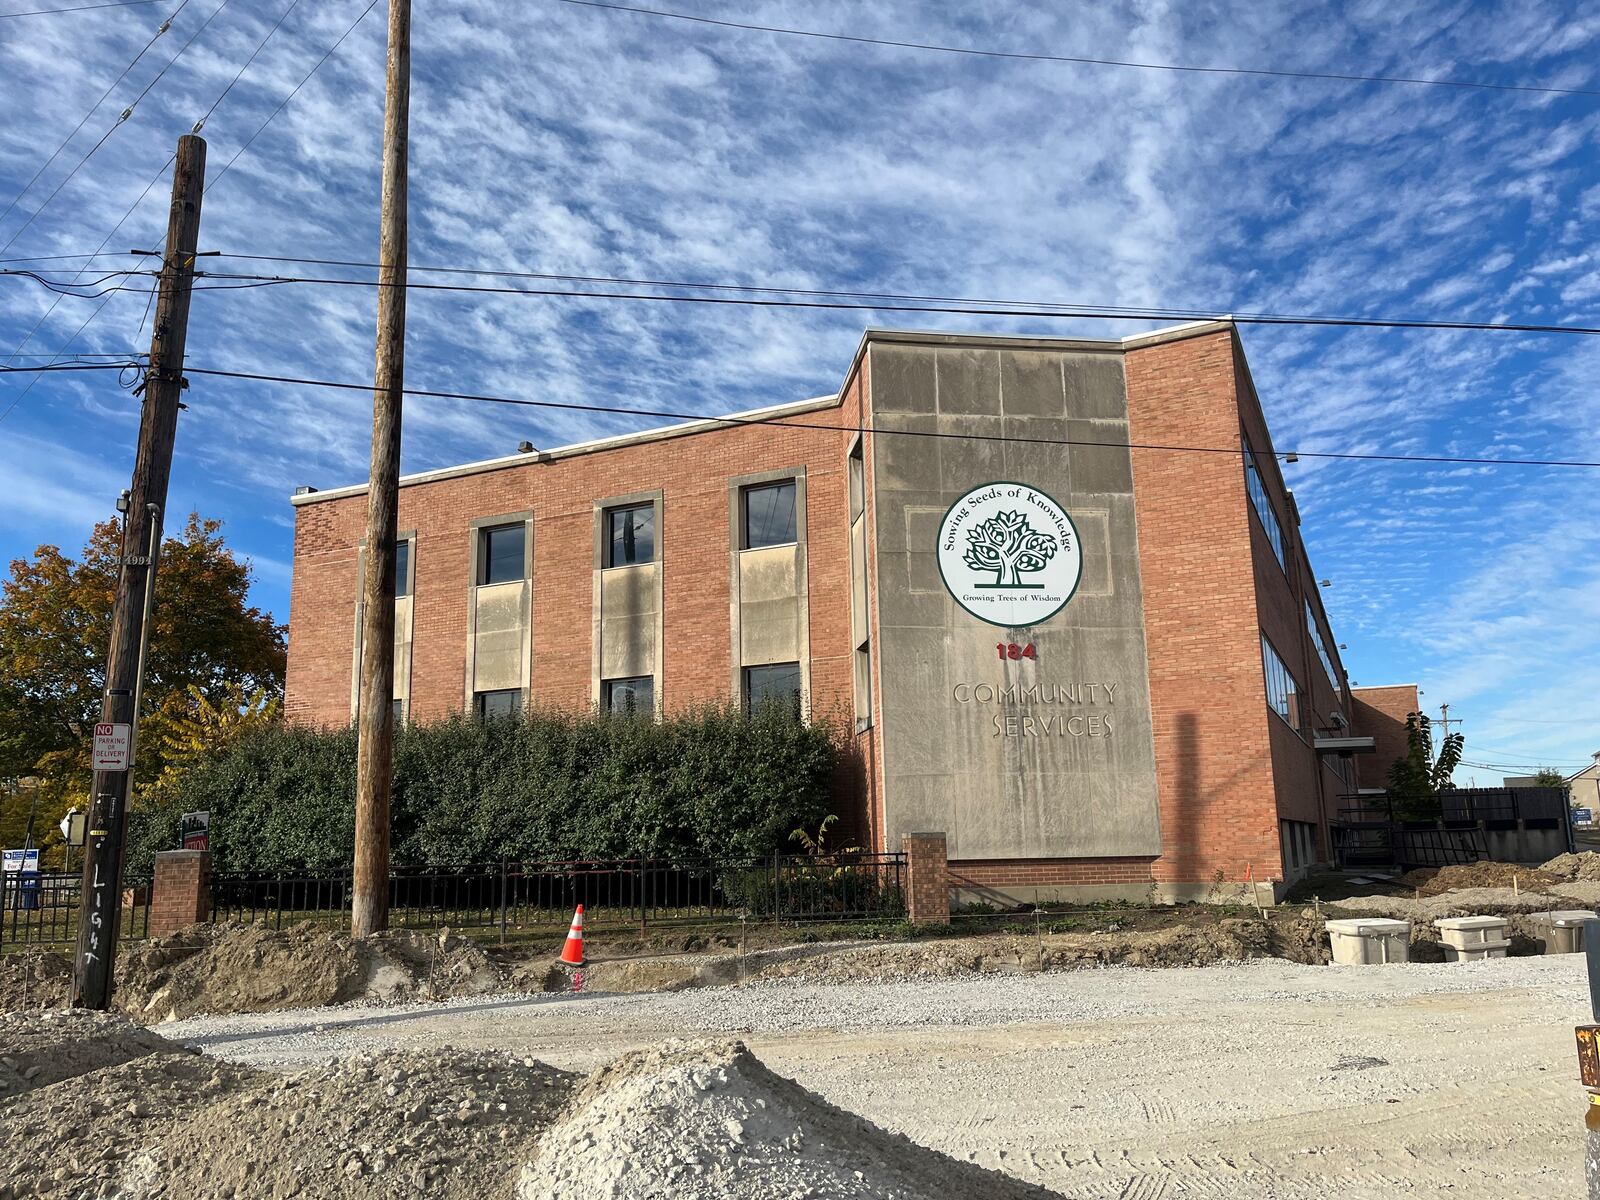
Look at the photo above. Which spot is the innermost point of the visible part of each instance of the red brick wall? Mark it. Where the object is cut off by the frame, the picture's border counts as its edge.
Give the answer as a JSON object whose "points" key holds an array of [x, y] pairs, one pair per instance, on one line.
{"points": [[927, 879], [1381, 715], [692, 473], [180, 894], [1213, 749]]}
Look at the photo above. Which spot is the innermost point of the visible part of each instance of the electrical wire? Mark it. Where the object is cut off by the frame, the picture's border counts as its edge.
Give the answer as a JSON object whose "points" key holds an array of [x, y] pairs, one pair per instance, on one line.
{"points": [[117, 124], [260, 46], [284, 103], [48, 12], [778, 422], [992, 309], [1326, 76], [93, 108]]}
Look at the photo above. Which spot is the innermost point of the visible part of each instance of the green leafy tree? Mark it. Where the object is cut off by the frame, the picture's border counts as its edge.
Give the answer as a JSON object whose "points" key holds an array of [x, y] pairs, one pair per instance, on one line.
{"points": [[1547, 777], [207, 645], [1417, 778]]}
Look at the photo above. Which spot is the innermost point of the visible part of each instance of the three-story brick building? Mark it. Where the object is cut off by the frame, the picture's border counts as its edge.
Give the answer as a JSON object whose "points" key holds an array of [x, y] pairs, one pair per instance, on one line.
{"points": [[1056, 588]]}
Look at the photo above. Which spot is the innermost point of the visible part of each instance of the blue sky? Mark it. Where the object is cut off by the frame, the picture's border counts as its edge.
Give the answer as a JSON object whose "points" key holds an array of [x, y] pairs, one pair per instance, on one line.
{"points": [[548, 137]]}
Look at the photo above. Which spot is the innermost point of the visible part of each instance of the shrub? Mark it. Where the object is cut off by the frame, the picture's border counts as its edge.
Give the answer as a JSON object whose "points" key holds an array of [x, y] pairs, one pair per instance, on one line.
{"points": [[704, 782]]}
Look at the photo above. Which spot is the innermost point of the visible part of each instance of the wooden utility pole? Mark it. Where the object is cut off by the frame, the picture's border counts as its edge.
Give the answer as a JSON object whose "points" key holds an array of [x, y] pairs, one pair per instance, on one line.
{"points": [[100, 901], [369, 910]]}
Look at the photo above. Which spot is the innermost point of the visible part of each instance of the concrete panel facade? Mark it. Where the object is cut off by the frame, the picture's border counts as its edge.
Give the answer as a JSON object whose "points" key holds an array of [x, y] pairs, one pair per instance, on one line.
{"points": [[1040, 757]]}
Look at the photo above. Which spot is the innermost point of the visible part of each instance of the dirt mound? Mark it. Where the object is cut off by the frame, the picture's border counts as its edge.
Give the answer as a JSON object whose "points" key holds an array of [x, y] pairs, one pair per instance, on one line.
{"points": [[252, 968], [1194, 945], [1584, 865], [1469, 902], [38, 1049], [709, 1120], [34, 978], [91, 1135], [1431, 881], [436, 1123]]}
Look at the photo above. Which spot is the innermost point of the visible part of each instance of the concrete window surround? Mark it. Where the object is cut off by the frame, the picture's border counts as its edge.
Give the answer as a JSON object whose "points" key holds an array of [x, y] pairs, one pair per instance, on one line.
{"points": [[404, 605], [627, 630], [769, 612], [499, 651]]}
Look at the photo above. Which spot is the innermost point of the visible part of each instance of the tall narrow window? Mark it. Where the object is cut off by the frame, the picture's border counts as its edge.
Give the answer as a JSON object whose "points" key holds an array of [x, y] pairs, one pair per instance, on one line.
{"points": [[498, 705], [773, 684], [501, 554], [629, 697], [630, 535], [1261, 501], [1283, 693], [1322, 646], [402, 568], [769, 517]]}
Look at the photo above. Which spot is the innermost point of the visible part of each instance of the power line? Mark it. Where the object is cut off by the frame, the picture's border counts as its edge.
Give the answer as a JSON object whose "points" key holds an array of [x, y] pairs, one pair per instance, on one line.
{"points": [[284, 103], [1087, 312], [49, 12], [115, 125], [778, 422], [260, 46], [1076, 60], [93, 108]]}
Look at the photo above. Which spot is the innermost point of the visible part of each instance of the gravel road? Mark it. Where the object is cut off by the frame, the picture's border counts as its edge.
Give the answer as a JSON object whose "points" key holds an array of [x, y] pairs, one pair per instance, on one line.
{"points": [[1265, 1079]]}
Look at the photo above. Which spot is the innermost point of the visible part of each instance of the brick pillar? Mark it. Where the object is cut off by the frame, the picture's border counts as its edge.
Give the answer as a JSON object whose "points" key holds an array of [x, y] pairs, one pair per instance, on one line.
{"points": [[927, 879], [181, 893]]}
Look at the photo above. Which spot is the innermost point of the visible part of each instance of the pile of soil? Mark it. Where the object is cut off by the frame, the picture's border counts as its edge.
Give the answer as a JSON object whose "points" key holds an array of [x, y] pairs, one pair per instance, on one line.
{"points": [[709, 1119], [136, 1116], [1435, 881], [435, 1123], [1198, 944], [253, 968], [38, 1049], [1468, 902], [1583, 866], [31, 979]]}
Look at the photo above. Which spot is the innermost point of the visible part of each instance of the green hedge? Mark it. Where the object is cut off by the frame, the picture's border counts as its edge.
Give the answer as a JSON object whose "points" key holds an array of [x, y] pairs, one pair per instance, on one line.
{"points": [[548, 785]]}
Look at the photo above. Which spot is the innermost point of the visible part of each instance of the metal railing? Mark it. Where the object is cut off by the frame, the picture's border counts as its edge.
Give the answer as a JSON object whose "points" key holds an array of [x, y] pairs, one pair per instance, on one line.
{"points": [[638, 892], [42, 908]]}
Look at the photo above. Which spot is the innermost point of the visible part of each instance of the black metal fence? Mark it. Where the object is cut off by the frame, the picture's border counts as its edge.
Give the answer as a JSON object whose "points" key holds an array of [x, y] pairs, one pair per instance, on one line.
{"points": [[634, 892], [42, 908]]}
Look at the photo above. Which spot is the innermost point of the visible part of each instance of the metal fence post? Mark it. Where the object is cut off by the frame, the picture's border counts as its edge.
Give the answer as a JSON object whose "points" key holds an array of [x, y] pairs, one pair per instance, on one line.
{"points": [[642, 892], [502, 902], [777, 889]]}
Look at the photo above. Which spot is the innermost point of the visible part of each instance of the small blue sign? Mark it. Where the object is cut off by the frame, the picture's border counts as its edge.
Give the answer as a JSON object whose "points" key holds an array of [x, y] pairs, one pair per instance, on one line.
{"points": [[1583, 816]]}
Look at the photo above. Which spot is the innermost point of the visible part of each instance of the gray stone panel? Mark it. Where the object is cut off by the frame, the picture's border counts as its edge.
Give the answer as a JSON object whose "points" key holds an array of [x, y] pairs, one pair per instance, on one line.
{"points": [[628, 603], [1011, 758]]}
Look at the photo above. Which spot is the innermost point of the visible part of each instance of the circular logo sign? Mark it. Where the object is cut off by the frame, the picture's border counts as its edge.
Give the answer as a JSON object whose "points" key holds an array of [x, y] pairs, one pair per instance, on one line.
{"points": [[1009, 554]]}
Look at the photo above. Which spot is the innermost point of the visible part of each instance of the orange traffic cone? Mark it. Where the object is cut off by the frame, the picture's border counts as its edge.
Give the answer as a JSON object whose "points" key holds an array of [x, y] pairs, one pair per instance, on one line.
{"points": [[572, 952]]}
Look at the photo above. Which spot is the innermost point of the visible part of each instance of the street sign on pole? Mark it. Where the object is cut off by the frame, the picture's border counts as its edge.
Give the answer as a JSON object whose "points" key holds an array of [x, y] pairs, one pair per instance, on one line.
{"points": [[113, 743]]}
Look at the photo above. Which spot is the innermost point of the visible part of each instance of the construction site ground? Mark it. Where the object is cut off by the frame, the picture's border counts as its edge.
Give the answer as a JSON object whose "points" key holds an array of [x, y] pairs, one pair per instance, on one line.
{"points": [[1263, 1079]]}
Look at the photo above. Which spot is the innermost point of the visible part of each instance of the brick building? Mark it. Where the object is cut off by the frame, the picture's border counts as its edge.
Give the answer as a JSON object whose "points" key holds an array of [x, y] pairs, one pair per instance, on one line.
{"points": [[1100, 665]]}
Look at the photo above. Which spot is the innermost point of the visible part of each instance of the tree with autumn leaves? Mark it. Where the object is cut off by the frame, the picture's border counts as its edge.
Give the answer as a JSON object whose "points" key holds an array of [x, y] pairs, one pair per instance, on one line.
{"points": [[214, 668]]}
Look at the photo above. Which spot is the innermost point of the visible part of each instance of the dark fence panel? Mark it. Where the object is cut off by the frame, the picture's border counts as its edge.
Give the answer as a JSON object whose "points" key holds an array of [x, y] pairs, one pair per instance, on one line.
{"points": [[635, 892], [42, 908]]}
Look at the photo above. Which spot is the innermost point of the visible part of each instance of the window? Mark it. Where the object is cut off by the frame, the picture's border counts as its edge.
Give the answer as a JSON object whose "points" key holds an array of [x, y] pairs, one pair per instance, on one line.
{"points": [[777, 683], [397, 709], [1322, 647], [627, 697], [630, 535], [402, 568], [1262, 503], [858, 482], [769, 515], [1283, 693], [863, 669], [501, 554], [499, 705]]}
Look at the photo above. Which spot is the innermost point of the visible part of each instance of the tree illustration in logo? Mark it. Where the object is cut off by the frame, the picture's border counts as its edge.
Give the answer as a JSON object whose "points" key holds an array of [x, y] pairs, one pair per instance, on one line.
{"points": [[1007, 545]]}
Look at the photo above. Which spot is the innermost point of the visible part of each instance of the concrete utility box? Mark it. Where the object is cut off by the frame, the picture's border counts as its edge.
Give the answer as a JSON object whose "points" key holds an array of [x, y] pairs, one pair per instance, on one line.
{"points": [[1359, 941], [1468, 939], [1561, 930]]}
